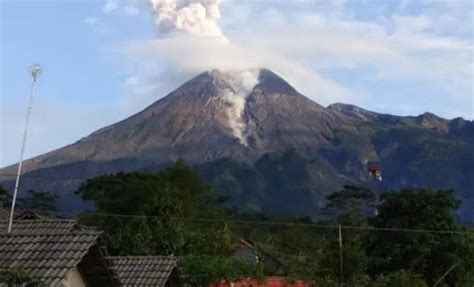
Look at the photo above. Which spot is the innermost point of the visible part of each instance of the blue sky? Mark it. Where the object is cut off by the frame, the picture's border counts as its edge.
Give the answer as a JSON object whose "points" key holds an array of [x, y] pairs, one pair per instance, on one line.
{"points": [[105, 60]]}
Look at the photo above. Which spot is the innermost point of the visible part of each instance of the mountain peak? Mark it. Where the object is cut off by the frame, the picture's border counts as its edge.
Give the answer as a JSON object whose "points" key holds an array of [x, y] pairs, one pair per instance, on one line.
{"points": [[246, 80], [270, 82]]}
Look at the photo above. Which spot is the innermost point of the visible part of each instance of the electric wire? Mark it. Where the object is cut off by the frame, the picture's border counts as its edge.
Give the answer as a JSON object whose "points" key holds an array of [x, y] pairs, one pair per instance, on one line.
{"points": [[275, 223], [314, 225]]}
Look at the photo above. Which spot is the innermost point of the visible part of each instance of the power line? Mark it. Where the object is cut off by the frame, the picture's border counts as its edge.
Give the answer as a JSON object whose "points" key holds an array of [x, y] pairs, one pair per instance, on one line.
{"points": [[314, 225], [275, 223]]}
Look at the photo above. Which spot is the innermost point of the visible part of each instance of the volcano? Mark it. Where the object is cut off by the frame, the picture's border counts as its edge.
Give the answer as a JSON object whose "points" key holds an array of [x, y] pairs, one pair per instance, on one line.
{"points": [[256, 139]]}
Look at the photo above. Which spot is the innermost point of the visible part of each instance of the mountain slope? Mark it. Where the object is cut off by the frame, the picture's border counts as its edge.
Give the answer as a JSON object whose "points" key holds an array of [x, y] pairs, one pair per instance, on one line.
{"points": [[271, 149]]}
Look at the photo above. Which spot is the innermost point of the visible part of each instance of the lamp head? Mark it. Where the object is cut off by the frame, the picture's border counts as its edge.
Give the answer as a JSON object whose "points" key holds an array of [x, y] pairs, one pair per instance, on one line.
{"points": [[35, 71]]}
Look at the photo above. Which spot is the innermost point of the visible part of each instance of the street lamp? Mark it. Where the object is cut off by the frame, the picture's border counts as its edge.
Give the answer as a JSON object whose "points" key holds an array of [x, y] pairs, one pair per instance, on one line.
{"points": [[35, 71]]}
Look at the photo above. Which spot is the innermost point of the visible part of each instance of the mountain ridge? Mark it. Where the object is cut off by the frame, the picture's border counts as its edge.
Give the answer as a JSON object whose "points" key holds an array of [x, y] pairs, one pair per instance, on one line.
{"points": [[254, 122]]}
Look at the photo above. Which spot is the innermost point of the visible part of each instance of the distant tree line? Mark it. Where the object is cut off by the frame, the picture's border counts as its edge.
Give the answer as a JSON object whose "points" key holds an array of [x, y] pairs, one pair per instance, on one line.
{"points": [[41, 201]]}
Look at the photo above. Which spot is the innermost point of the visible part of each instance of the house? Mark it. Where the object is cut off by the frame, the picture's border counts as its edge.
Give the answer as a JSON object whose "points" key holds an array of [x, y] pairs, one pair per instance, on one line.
{"points": [[267, 282], [34, 214], [56, 252], [27, 214], [156, 271], [245, 251], [254, 252]]}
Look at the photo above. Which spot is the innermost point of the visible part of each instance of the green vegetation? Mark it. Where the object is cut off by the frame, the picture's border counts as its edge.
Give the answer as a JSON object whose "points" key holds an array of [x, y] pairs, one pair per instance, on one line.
{"points": [[5, 198], [163, 207], [42, 201], [175, 212], [18, 277], [200, 270], [427, 254]]}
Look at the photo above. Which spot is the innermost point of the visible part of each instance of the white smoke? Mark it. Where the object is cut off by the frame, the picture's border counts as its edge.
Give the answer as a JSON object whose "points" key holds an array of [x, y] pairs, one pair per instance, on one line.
{"points": [[241, 84], [196, 17]]}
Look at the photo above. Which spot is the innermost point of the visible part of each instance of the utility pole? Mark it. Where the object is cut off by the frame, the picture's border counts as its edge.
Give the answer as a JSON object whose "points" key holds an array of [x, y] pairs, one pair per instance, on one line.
{"points": [[35, 71], [340, 256], [376, 176]]}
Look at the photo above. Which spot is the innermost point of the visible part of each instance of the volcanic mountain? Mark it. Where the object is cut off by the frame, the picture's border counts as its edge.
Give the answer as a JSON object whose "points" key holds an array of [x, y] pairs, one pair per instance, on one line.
{"points": [[269, 148]]}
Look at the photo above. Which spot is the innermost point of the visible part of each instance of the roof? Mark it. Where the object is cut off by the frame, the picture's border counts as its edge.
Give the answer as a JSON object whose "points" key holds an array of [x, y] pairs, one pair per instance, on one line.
{"points": [[34, 214], [267, 282], [143, 270], [46, 250], [34, 226]]}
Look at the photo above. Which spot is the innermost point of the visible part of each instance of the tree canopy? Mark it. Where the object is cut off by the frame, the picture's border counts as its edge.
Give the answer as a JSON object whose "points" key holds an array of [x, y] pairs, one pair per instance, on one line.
{"points": [[175, 212]]}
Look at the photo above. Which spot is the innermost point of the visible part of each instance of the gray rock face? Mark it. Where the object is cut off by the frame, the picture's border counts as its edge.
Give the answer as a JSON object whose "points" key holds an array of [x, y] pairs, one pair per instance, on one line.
{"points": [[258, 140], [240, 115]]}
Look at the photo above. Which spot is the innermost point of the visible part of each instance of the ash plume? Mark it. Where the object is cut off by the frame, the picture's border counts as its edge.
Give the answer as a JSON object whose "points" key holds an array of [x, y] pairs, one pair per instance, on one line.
{"points": [[195, 17]]}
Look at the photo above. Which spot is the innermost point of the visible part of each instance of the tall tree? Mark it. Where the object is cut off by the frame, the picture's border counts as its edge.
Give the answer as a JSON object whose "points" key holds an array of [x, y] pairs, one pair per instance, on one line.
{"points": [[35, 200], [43, 201], [168, 212], [429, 254], [348, 207], [5, 198]]}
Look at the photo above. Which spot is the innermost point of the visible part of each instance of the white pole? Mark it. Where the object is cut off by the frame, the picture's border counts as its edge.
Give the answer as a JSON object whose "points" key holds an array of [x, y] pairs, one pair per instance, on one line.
{"points": [[341, 278], [35, 72]]}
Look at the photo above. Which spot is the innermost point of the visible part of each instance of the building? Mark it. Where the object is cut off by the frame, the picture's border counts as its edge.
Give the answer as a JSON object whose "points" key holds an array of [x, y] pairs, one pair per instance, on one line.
{"points": [[268, 282], [156, 271], [55, 252]]}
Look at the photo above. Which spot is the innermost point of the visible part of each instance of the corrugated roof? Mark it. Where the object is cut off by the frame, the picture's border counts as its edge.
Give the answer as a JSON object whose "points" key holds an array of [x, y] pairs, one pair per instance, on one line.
{"points": [[143, 270], [49, 226]]}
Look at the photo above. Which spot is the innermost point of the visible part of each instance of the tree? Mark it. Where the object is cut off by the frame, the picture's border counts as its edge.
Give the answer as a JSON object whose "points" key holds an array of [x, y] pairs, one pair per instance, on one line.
{"points": [[354, 261], [36, 200], [18, 277], [199, 270], [399, 278], [170, 212], [43, 201], [425, 253], [349, 205], [5, 198]]}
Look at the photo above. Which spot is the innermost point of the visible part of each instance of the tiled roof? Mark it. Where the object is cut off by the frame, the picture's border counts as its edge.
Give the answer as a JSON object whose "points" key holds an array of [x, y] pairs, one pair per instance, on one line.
{"points": [[35, 214], [143, 270], [28, 227], [46, 250]]}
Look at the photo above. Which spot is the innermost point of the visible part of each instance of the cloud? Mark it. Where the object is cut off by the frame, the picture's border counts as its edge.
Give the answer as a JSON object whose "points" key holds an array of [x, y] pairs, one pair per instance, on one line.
{"points": [[97, 24], [128, 7], [110, 6], [90, 21], [173, 58], [308, 47], [131, 9]]}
